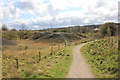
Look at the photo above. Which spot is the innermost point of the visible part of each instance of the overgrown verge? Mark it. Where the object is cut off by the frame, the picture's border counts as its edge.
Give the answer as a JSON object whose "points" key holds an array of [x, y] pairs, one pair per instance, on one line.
{"points": [[102, 55], [53, 65]]}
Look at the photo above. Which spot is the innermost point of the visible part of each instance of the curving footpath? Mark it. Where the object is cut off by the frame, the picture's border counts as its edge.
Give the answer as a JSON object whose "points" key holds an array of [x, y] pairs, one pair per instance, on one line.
{"points": [[79, 67]]}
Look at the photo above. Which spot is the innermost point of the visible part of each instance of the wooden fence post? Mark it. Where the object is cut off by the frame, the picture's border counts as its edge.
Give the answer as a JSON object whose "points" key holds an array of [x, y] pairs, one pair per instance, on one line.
{"points": [[39, 56], [112, 41], [17, 66], [65, 44], [51, 50], [26, 47], [58, 46]]}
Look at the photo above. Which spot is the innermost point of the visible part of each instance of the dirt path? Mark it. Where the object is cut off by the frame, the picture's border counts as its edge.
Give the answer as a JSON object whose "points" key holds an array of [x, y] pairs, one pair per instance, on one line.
{"points": [[79, 68]]}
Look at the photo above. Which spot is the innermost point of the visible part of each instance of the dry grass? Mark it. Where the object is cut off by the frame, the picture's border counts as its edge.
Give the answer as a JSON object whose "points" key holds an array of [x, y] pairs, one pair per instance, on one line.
{"points": [[27, 53]]}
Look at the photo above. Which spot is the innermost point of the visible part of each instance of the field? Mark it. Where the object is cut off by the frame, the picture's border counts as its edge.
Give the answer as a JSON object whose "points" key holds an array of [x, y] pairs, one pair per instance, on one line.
{"points": [[36, 60], [102, 55], [41, 56], [49, 53]]}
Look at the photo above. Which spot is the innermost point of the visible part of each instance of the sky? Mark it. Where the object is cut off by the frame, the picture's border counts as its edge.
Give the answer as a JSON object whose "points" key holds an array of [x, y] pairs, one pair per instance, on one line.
{"points": [[42, 14]]}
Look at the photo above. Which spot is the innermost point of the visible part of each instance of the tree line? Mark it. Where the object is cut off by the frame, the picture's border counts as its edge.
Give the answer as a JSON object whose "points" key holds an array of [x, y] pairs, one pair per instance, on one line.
{"points": [[107, 29]]}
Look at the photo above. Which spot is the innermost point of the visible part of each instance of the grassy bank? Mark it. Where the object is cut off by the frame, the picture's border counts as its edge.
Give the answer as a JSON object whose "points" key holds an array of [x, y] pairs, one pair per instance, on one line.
{"points": [[49, 64], [102, 55]]}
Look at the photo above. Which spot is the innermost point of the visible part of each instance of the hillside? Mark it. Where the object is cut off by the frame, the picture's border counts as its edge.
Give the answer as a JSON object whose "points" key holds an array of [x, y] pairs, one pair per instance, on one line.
{"points": [[57, 37], [102, 55]]}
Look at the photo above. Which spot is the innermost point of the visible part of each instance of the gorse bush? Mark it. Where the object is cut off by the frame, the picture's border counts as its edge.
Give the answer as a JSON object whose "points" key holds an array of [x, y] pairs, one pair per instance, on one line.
{"points": [[108, 29], [24, 34], [15, 35], [103, 58], [13, 29], [10, 35]]}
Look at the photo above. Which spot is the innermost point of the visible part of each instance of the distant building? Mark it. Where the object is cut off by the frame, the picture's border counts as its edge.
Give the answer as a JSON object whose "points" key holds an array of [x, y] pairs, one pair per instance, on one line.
{"points": [[96, 30]]}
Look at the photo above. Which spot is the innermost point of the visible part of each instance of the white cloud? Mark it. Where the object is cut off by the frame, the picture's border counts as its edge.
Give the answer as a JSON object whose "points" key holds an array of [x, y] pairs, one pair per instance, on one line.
{"points": [[61, 12], [36, 26], [10, 12], [41, 1]]}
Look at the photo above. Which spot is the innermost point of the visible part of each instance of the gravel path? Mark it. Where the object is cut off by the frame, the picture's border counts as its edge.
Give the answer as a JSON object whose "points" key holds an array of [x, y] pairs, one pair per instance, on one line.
{"points": [[79, 67]]}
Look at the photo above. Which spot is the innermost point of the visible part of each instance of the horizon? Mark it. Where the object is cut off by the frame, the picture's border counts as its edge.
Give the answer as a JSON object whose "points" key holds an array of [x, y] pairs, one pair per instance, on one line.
{"points": [[61, 27]]}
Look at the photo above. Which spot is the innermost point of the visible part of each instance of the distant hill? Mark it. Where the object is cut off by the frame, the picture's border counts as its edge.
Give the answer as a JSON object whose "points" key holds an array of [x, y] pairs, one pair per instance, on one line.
{"points": [[56, 37]]}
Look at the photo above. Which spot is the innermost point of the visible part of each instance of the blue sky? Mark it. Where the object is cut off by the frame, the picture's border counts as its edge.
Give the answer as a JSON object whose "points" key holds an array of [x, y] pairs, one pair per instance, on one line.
{"points": [[40, 14]]}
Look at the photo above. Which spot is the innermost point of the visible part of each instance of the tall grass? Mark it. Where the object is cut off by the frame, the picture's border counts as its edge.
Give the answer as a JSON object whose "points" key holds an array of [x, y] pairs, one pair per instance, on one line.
{"points": [[37, 61], [102, 55]]}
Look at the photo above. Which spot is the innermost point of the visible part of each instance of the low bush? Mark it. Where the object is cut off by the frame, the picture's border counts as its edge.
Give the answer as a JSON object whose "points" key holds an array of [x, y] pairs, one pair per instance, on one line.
{"points": [[10, 35]]}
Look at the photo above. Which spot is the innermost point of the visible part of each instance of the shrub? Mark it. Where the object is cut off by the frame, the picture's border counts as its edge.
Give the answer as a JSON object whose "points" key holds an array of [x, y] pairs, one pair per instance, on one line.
{"points": [[108, 29], [10, 35], [13, 29], [4, 27], [24, 34]]}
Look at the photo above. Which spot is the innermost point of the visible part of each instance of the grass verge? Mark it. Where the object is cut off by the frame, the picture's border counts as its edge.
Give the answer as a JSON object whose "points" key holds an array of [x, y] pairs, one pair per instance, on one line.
{"points": [[51, 65], [102, 55]]}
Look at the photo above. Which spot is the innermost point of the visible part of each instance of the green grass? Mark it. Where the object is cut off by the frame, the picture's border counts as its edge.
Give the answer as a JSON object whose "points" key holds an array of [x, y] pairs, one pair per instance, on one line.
{"points": [[57, 64], [50, 66], [102, 55], [62, 65]]}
